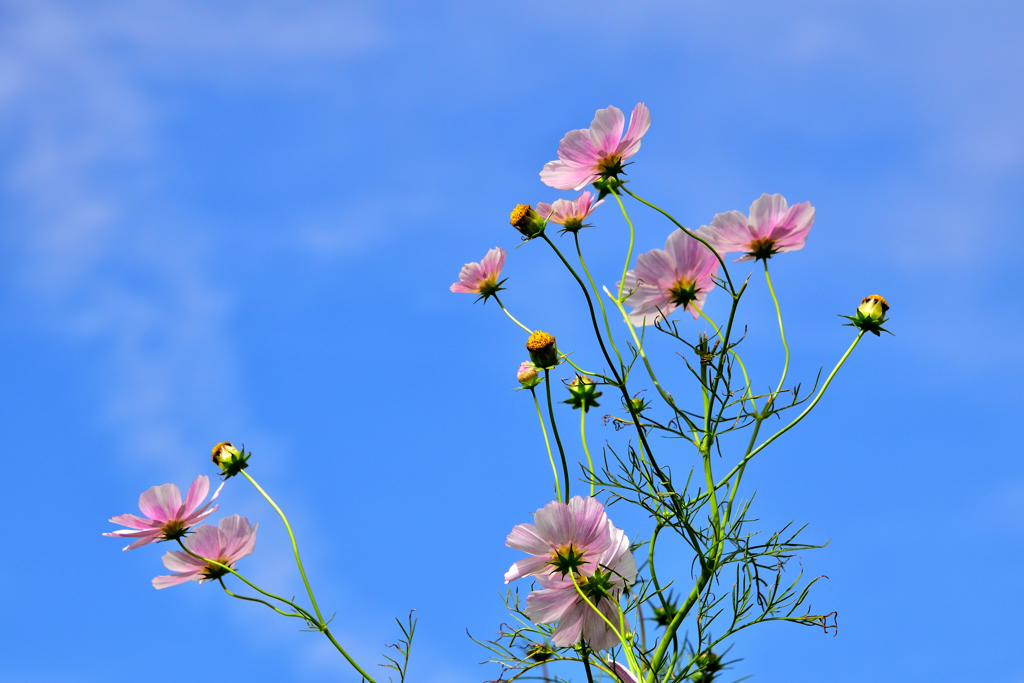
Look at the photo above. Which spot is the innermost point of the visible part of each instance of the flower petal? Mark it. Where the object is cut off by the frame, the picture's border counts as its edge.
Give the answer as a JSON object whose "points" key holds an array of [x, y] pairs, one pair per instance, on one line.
{"points": [[555, 523], [531, 565], [525, 537], [606, 130], [550, 604], [639, 122], [561, 176], [161, 503]]}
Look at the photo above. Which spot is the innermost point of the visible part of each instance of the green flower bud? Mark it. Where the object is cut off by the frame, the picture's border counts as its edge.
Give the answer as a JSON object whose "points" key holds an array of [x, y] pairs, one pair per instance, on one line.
{"points": [[870, 315], [584, 393], [543, 351], [527, 221]]}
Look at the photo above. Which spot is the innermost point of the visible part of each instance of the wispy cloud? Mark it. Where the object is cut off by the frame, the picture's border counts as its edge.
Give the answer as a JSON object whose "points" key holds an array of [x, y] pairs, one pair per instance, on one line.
{"points": [[107, 255]]}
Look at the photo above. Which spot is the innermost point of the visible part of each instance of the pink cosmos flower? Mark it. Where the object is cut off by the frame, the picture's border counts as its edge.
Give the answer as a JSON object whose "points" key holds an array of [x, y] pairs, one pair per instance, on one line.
{"points": [[559, 600], [567, 542], [588, 154], [569, 214], [772, 228], [481, 278], [665, 279], [563, 537], [167, 517], [226, 543]]}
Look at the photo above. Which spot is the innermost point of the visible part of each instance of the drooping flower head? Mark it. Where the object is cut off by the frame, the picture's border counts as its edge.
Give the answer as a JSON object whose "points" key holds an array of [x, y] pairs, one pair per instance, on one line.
{"points": [[680, 275], [772, 228], [569, 214], [482, 278], [166, 516], [228, 542], [597, 152], [572, 545]]}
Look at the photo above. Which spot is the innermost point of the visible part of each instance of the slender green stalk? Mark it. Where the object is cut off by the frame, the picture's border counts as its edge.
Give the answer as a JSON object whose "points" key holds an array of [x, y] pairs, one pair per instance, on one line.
{"points": [[583, 437], [510, 316], [547, 444], [679, 225], [798, 418], [746, 379], [295, 546], [554, 430], [619, 632], [262, 602], [632, 235], [600, 302], [586, 665], [782, 333]]}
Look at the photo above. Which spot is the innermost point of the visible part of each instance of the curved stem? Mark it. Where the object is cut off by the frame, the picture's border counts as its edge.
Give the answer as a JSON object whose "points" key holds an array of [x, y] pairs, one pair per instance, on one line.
{"points": [[632, 235], [220, 580], [619, 633], [799, 417], [547, 444], [600, 302], [510, 316], [782, 333], [554, 429], [679, 225], [746, 379], [295, 546], [583, 437]]}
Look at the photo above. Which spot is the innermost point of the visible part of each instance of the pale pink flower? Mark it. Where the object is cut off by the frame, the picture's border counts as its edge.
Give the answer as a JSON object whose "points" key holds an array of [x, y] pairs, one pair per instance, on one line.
{"points": [[226, 543], [166, 516], [567, 542], [590, 153], [681, 274], [624, 674], [614, 571], [562, 537], [481, 278], [569, 214], [772, 228]]}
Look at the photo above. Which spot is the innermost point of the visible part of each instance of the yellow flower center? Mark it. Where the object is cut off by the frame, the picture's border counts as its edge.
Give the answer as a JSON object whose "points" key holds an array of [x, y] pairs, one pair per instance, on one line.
{"points": [[539, 341], [518, 214]]}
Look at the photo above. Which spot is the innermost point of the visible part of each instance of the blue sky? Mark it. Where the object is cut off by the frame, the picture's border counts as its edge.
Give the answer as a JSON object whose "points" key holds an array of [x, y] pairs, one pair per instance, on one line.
{"points": [[240, 220]]}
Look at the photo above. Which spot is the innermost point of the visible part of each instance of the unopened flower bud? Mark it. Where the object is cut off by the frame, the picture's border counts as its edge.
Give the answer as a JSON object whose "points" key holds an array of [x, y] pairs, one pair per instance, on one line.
{"points": [[543, 351], [870, 315], [527, 221], [229, 459], [528, 375], [873, 307], [584, 393]]}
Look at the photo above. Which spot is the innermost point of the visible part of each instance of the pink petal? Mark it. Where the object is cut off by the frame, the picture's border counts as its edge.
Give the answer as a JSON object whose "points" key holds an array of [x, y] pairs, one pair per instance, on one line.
{"points": [[766, 212], [528, 566], [173, 580], [795, 226], [196, 493], [545, 606], [592, 523], [178, 561], [731, 232], [144, 540], [544, 209], [624, 674], [606, 130], [598, 634], [570, 626], [524, 537], [555, 523], [561, 176], [462, 288], [576, 149], [133, 521], [161, 503], [494, 261], [657, 268], [639, 122], [206, 541]]}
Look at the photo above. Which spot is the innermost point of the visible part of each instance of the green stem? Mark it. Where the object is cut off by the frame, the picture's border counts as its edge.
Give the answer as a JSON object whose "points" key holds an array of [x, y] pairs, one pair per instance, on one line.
{"points": [[554, 429], [295, 546], [583, 437], [600, 302], [220, 580], [586, 665], [510, 316], [632, 234], [547, 444], [679, 225], [799, 417], [782, 333]]}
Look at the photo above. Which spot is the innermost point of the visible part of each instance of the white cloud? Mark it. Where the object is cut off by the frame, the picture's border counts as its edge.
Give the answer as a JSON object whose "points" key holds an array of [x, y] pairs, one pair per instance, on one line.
{"points": [[106, 255]]}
